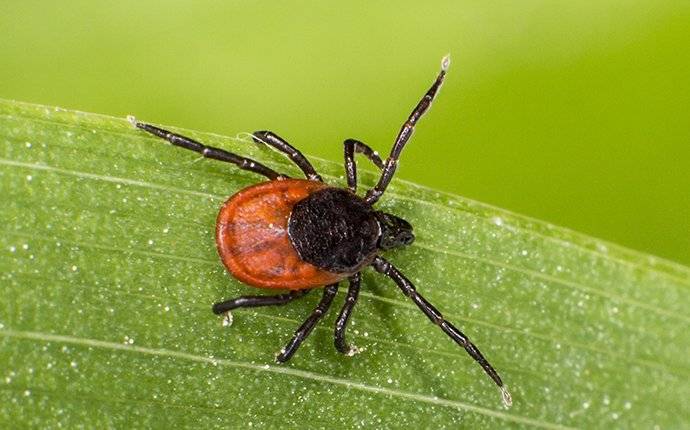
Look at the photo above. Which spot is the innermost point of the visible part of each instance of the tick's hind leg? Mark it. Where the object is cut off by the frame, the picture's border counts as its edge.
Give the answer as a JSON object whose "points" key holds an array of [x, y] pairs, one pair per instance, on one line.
{"points": [[207, 151], [303, 331], [352, 147], [271, 139], [344, 316], [256, 301]]}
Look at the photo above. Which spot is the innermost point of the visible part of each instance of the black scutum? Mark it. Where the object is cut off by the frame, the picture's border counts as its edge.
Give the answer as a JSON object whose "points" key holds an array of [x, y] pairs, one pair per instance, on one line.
{"points": [[334, 230]]}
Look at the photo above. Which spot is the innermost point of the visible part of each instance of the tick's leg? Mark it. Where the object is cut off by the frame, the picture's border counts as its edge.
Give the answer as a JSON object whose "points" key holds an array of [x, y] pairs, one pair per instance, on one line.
{"points": [[256, 301], [352, 147], [277, 142], [344, 316], [404, 135], [308, 325], [435, 316], [208, 151]]}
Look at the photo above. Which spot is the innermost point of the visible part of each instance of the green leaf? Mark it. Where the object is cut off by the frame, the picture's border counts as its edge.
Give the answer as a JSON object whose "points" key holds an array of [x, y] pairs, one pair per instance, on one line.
{"points": [[108, 270]]}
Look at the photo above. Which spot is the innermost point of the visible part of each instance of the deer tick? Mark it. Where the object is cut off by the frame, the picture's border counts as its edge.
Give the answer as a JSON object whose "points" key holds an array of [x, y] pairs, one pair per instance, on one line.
{"points": [[300, 234]]}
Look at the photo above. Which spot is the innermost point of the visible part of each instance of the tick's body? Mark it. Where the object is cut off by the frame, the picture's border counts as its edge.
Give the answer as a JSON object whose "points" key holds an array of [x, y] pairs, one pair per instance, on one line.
{"points": [[276, 234], [298, 234]]}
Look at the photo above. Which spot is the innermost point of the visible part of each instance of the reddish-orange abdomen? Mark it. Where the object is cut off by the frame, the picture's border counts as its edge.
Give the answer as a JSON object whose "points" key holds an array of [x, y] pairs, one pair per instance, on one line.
{"points": [[252, 237]]}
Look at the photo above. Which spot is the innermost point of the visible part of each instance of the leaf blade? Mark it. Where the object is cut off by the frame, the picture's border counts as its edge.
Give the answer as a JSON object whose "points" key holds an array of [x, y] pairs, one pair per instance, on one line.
{"points": [[119, 249]]}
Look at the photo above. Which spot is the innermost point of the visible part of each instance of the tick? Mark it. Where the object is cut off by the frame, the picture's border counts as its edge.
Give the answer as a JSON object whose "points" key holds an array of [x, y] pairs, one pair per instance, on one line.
{"points": [[301, 234]]}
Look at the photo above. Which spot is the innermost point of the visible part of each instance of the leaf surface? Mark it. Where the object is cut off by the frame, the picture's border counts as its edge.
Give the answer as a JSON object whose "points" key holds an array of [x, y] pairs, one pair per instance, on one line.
{"points": [[108, 269]]}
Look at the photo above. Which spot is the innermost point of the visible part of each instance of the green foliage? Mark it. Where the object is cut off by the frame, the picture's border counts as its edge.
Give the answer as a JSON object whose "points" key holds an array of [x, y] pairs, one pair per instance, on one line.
{"points": [[108, 270]]}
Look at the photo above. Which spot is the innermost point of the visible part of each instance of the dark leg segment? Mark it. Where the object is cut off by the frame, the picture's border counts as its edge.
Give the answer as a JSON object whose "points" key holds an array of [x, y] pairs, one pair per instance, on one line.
{"points": [[256, 301], [277, 142], [383, 266], [305, 329], [209, 151], [353, 146], [344, 316], [404, 135]]}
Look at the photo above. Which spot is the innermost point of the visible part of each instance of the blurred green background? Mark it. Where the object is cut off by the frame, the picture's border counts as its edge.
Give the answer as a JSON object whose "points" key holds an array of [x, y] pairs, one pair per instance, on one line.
{"points": [[575, 112]]}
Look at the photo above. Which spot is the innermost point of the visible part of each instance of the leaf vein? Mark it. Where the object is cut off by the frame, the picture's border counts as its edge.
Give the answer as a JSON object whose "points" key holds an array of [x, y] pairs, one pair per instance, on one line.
{"points": [[290, 371]]}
